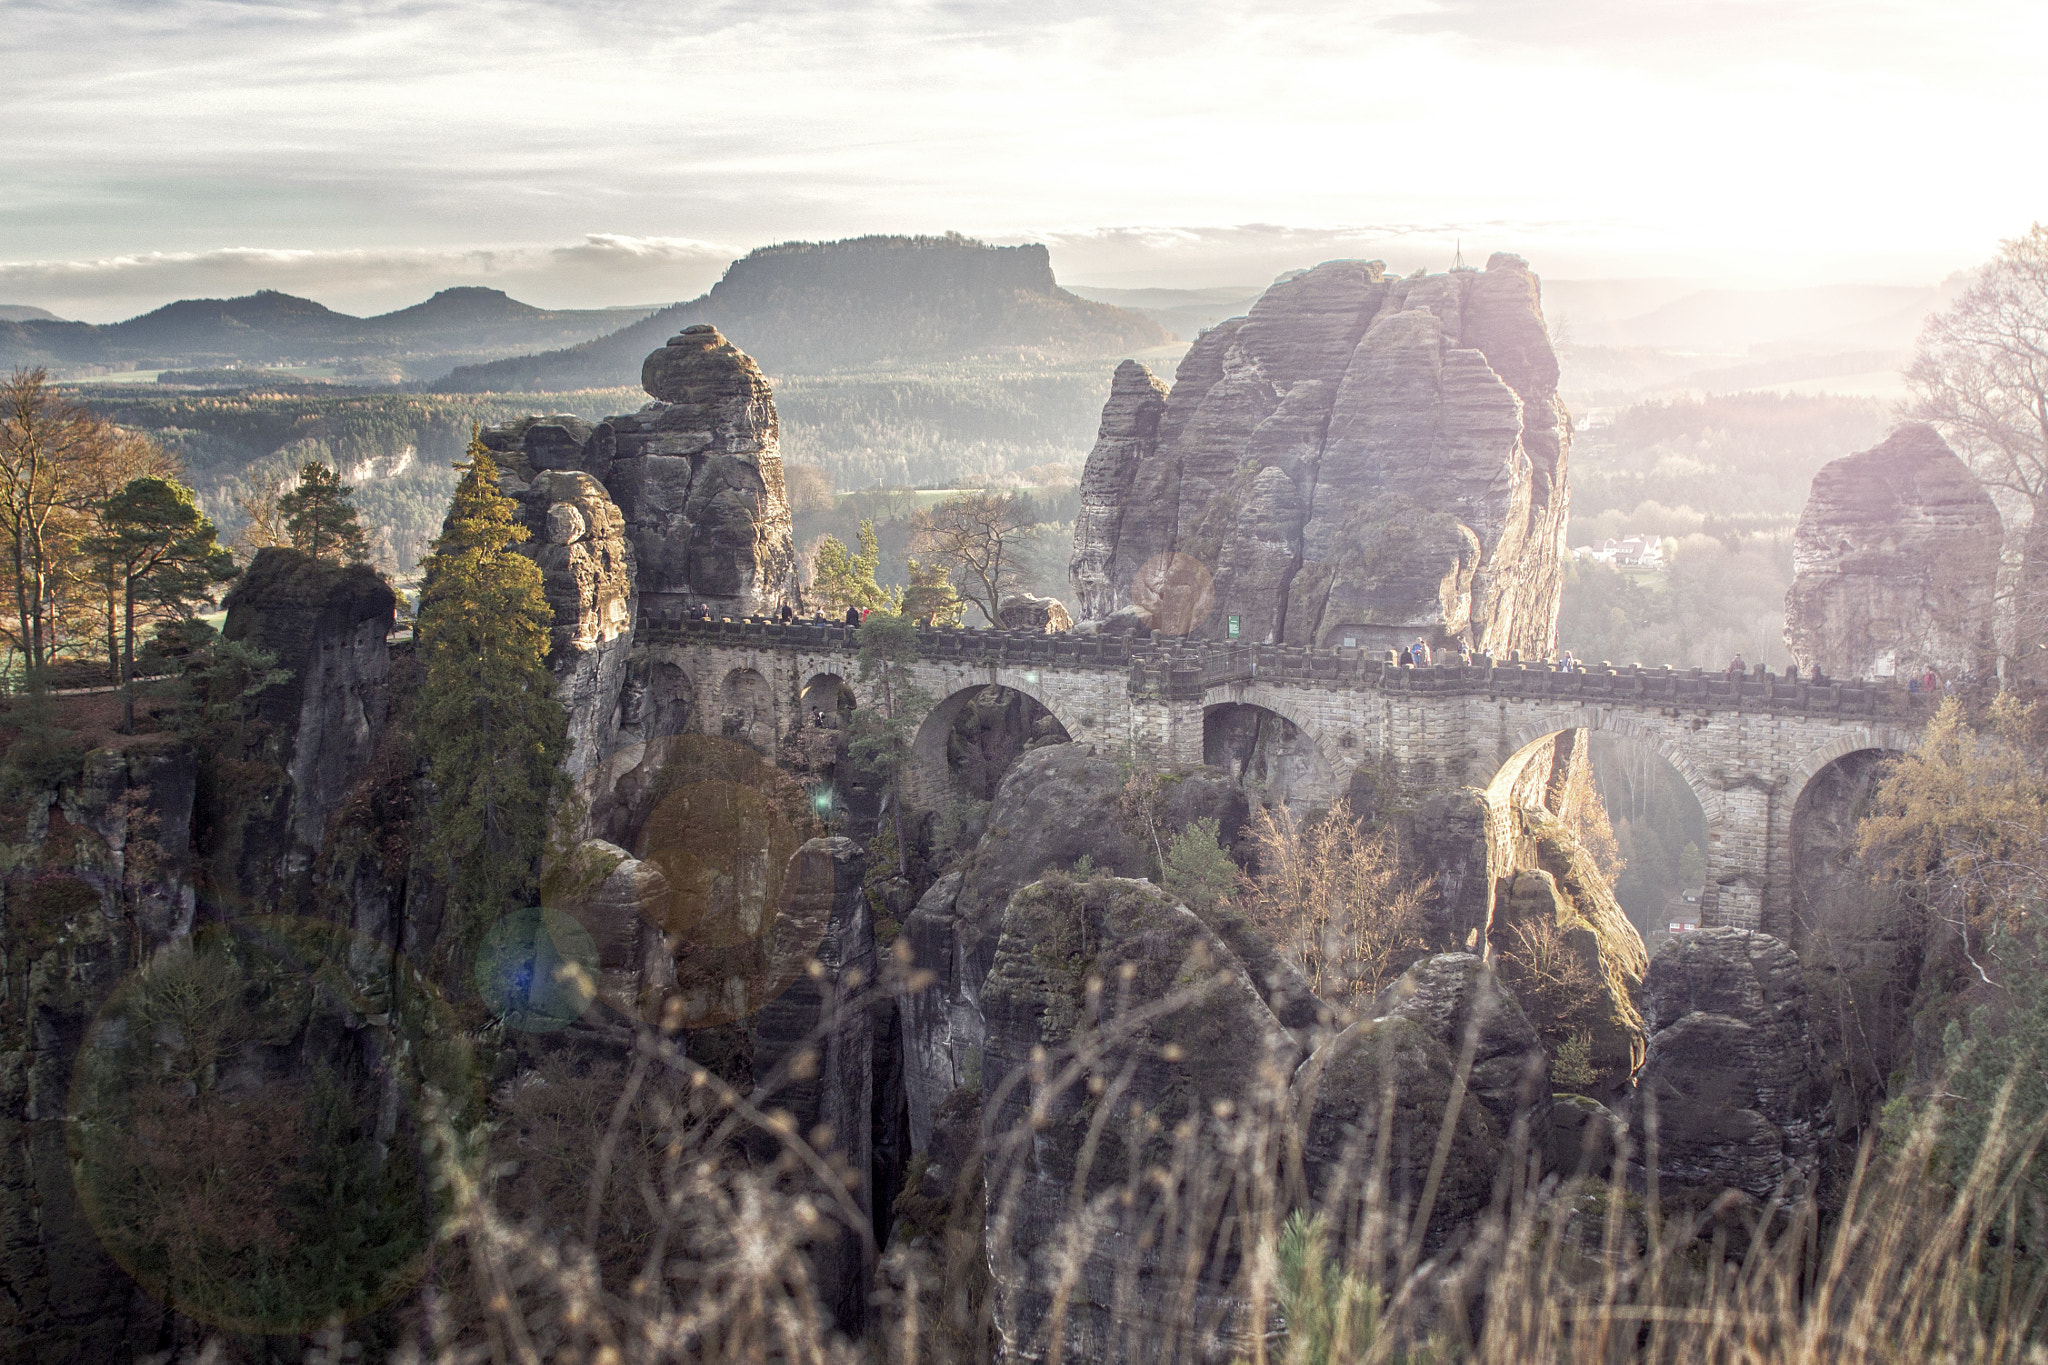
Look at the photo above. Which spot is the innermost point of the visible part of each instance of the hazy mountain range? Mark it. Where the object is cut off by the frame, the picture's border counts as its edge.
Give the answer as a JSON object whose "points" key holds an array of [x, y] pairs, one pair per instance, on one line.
{"points": [[270, 328]]}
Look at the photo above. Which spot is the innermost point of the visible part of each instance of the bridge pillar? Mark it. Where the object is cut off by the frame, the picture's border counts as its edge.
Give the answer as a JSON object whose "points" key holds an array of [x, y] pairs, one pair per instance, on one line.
{"points": [[1166, 711], [1739, 858]]}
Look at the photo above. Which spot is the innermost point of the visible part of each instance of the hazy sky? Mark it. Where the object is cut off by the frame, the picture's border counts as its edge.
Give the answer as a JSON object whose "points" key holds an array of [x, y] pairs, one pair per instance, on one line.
{"points": [[583, 152]]}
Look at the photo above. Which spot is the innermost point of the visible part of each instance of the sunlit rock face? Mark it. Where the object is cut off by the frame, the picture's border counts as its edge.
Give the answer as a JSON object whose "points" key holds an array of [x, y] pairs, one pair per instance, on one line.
{"points": [[677, 506], [1359, 459], [1894, 564], [696, 476]]}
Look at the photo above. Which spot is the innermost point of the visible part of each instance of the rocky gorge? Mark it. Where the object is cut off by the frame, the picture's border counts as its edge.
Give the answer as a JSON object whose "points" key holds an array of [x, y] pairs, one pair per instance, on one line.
{"points": [[1008, 1068]]}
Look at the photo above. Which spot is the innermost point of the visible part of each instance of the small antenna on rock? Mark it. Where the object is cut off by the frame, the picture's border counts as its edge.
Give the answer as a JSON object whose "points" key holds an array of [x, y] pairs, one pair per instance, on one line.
{"points": [[1458, 255]]}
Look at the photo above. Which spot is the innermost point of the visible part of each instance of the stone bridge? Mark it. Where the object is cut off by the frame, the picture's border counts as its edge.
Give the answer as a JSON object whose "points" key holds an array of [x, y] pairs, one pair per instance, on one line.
{"points": [[1747, 748]]}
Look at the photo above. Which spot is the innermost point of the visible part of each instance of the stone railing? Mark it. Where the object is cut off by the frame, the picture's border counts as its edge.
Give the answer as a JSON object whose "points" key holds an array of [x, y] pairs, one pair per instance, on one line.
{"points": [[1184, 668], [940, 643]]}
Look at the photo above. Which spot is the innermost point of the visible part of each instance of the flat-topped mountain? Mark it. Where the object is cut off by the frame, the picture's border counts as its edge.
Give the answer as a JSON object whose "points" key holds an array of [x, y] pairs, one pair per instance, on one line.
{"points": [[814, 306], [269, 327]]}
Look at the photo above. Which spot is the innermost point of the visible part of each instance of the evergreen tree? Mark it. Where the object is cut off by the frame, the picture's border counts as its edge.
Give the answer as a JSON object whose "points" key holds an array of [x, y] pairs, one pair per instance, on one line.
{"points": [[321, 520], [931, 597], [158, 556], [841, 578], [491, 730]]}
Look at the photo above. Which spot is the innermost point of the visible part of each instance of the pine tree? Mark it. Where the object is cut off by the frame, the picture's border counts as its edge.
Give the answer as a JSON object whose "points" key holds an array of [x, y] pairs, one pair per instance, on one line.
{"points": [[321, 520], [490, 727], [841, 579]]}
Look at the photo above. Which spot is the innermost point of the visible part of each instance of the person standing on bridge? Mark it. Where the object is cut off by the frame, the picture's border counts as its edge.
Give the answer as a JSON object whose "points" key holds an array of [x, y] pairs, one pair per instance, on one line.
{"points": [[1737, 668], [788, 613], [853, 616]]}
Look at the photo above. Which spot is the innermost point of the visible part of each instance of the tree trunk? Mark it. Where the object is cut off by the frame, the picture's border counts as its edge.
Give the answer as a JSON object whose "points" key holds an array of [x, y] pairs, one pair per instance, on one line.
{"points": [[124, 672], [2030, 595]]}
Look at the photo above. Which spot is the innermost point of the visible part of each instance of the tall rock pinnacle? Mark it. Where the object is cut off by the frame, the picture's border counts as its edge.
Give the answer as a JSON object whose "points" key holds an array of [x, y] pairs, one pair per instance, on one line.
{"points": [[1357, 460]]}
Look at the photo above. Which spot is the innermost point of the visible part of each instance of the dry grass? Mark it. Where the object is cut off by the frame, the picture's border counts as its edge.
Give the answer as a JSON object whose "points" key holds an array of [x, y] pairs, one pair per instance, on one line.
{"points": [[1186, 1248]]}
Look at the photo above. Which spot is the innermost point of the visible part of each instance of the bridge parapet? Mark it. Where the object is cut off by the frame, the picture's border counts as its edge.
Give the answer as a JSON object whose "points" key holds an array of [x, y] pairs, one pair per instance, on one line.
{"points": [[1176, 668]]}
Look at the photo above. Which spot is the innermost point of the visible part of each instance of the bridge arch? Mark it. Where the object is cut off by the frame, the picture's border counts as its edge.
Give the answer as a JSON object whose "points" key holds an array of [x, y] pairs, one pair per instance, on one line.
{"points": [[1888, 739], [1667, 738], [933, 751], [1225, 711], [747, 709], [826, 693]]}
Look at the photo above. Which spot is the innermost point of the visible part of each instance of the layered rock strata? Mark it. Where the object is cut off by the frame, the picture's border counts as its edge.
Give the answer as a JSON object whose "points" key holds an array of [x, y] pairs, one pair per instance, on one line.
{"points": [[1358, 459], [696, 475], [1895, 562], [677, 507], [1738, 1094]]}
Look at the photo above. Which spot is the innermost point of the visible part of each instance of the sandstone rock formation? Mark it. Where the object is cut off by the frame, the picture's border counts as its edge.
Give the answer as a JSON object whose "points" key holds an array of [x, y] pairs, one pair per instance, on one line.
{"points": [[1058, 1138], [675, 507], [1451, 994], [577, 535], [829, 1090], [696, 476], [1359, 458], [1056, 806], [328, 625], [1894, 564], [1739, 1097], [1390, 1080]]}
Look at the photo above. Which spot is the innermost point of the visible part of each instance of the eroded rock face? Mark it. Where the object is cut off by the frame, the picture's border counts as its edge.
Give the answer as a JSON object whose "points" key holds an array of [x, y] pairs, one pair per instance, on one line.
{"points": [[831, 1097], [328, 625], [1203, 1063], [578, 537], [1358, 457], [696, 476], [1739, 1096], [1894, 563]]}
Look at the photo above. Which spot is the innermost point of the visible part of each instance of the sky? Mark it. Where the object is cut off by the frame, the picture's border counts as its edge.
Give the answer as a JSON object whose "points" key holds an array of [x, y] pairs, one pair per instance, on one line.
{"points": [[583, 153]]}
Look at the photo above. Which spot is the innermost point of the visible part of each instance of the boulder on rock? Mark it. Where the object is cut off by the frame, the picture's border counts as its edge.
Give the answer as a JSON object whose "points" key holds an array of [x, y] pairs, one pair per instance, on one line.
{"points": [[1045, 615], [1731, 1080]]}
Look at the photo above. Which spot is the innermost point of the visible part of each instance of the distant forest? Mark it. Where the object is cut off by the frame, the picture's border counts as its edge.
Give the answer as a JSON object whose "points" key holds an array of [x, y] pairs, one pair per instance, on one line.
{"points": [[1722, 480]]}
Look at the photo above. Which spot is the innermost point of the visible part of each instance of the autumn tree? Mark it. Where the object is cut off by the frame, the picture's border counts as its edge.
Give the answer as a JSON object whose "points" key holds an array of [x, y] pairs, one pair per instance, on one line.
{"points": [[490, 726], [1980, 376], [59, 464], [1332, 896], [1961, 824], [263, 526], [979, 540], [320, 520], [158, 557]]}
